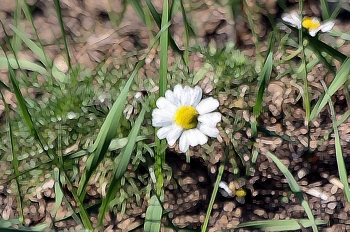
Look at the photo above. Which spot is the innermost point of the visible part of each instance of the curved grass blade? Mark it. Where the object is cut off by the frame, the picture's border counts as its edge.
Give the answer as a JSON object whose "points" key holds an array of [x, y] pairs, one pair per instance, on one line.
{"points": [[14, 159], [58, 191], [33, 47], [108, 129], [163, 73], [157, 18], [107, 133], [125, 157], [280, 225], [338, 151], [39, 51], [295, 188], [153, 215], [215, 191], [339, 80], [60, 20], [265, 75], [23, 64]]}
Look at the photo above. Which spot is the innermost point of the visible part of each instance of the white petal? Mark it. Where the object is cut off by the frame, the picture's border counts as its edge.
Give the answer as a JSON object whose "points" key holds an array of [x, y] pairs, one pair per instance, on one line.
{"points": [[186, 96], [191, 136], [164, 131], [207, 105], [170, 96], [314, 32], [210, 119], [207, 130], [196, 96], [178, 92], [184, 142], [223, 185], [327, 26], [292, 18], [201, 138], [163, 103], [174, 134], [162, 118]]}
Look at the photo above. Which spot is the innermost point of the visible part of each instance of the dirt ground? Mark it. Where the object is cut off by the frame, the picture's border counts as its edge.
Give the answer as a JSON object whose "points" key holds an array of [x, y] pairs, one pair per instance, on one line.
{"points": [[92, 39]]}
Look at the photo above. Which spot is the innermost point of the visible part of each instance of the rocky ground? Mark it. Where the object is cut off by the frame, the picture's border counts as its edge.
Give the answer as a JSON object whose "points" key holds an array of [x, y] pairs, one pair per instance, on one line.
{"points": [[93, 39]]}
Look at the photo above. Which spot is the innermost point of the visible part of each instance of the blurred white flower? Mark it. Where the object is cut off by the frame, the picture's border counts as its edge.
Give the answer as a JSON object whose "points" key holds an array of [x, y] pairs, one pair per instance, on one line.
{"points": [[182, 114], [312, 24]]}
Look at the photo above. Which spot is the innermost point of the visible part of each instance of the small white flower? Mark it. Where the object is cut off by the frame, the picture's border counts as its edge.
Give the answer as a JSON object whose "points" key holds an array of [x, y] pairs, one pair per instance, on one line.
{"points": [[182, 114], [312, 24]]}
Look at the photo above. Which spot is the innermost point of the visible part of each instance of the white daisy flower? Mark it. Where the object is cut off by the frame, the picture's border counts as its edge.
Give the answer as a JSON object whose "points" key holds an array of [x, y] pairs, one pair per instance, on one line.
{"points": [[312, 24], [182, 114]]}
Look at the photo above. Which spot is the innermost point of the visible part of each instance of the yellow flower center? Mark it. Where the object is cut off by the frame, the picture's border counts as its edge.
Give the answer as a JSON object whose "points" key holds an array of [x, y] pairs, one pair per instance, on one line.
{"points": [[311, 23], [186, 117], [241, 193]]}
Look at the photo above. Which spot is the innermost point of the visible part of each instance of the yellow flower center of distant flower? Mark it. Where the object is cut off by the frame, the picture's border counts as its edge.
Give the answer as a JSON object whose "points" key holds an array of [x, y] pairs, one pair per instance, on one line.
{"points": [[311, 23], [241, 193], [186, 117]]}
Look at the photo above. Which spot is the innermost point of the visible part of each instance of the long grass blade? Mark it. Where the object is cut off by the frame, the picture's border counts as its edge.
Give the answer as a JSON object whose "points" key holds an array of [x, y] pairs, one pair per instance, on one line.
{"points": [[340, 78], [295, 188], [163, 73], [14, 159], [339, 152], [63, 31], [157, 18], [23, 64], [39, 49], [215, 191], [153, 215], [33, 47], [107, 133], [124, 161], [280, 225]]}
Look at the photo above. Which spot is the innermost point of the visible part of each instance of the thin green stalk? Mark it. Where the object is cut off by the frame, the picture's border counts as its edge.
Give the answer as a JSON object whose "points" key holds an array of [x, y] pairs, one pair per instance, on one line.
{"points": [[63, 31], [306, 95], [14, 160], [215, 191], [255, 35], [163, 73], [338, 150]]}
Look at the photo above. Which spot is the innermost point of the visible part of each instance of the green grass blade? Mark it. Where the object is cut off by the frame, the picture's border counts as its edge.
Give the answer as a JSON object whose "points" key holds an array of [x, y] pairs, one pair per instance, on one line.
{"points": [[316, 45], [23, 107], [153, 215], [338, 151], [163, 73], [58, 191], [188, 33], [107, 133], [157, 18], [295, 188], [164, 39], [125, 157], [23, 64], [16, 43], [324, 9], [33, 47], [280, 225], [340, 78], [136, 5], [14, 159], [43, 58], [60, 20], [215, 191]]}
